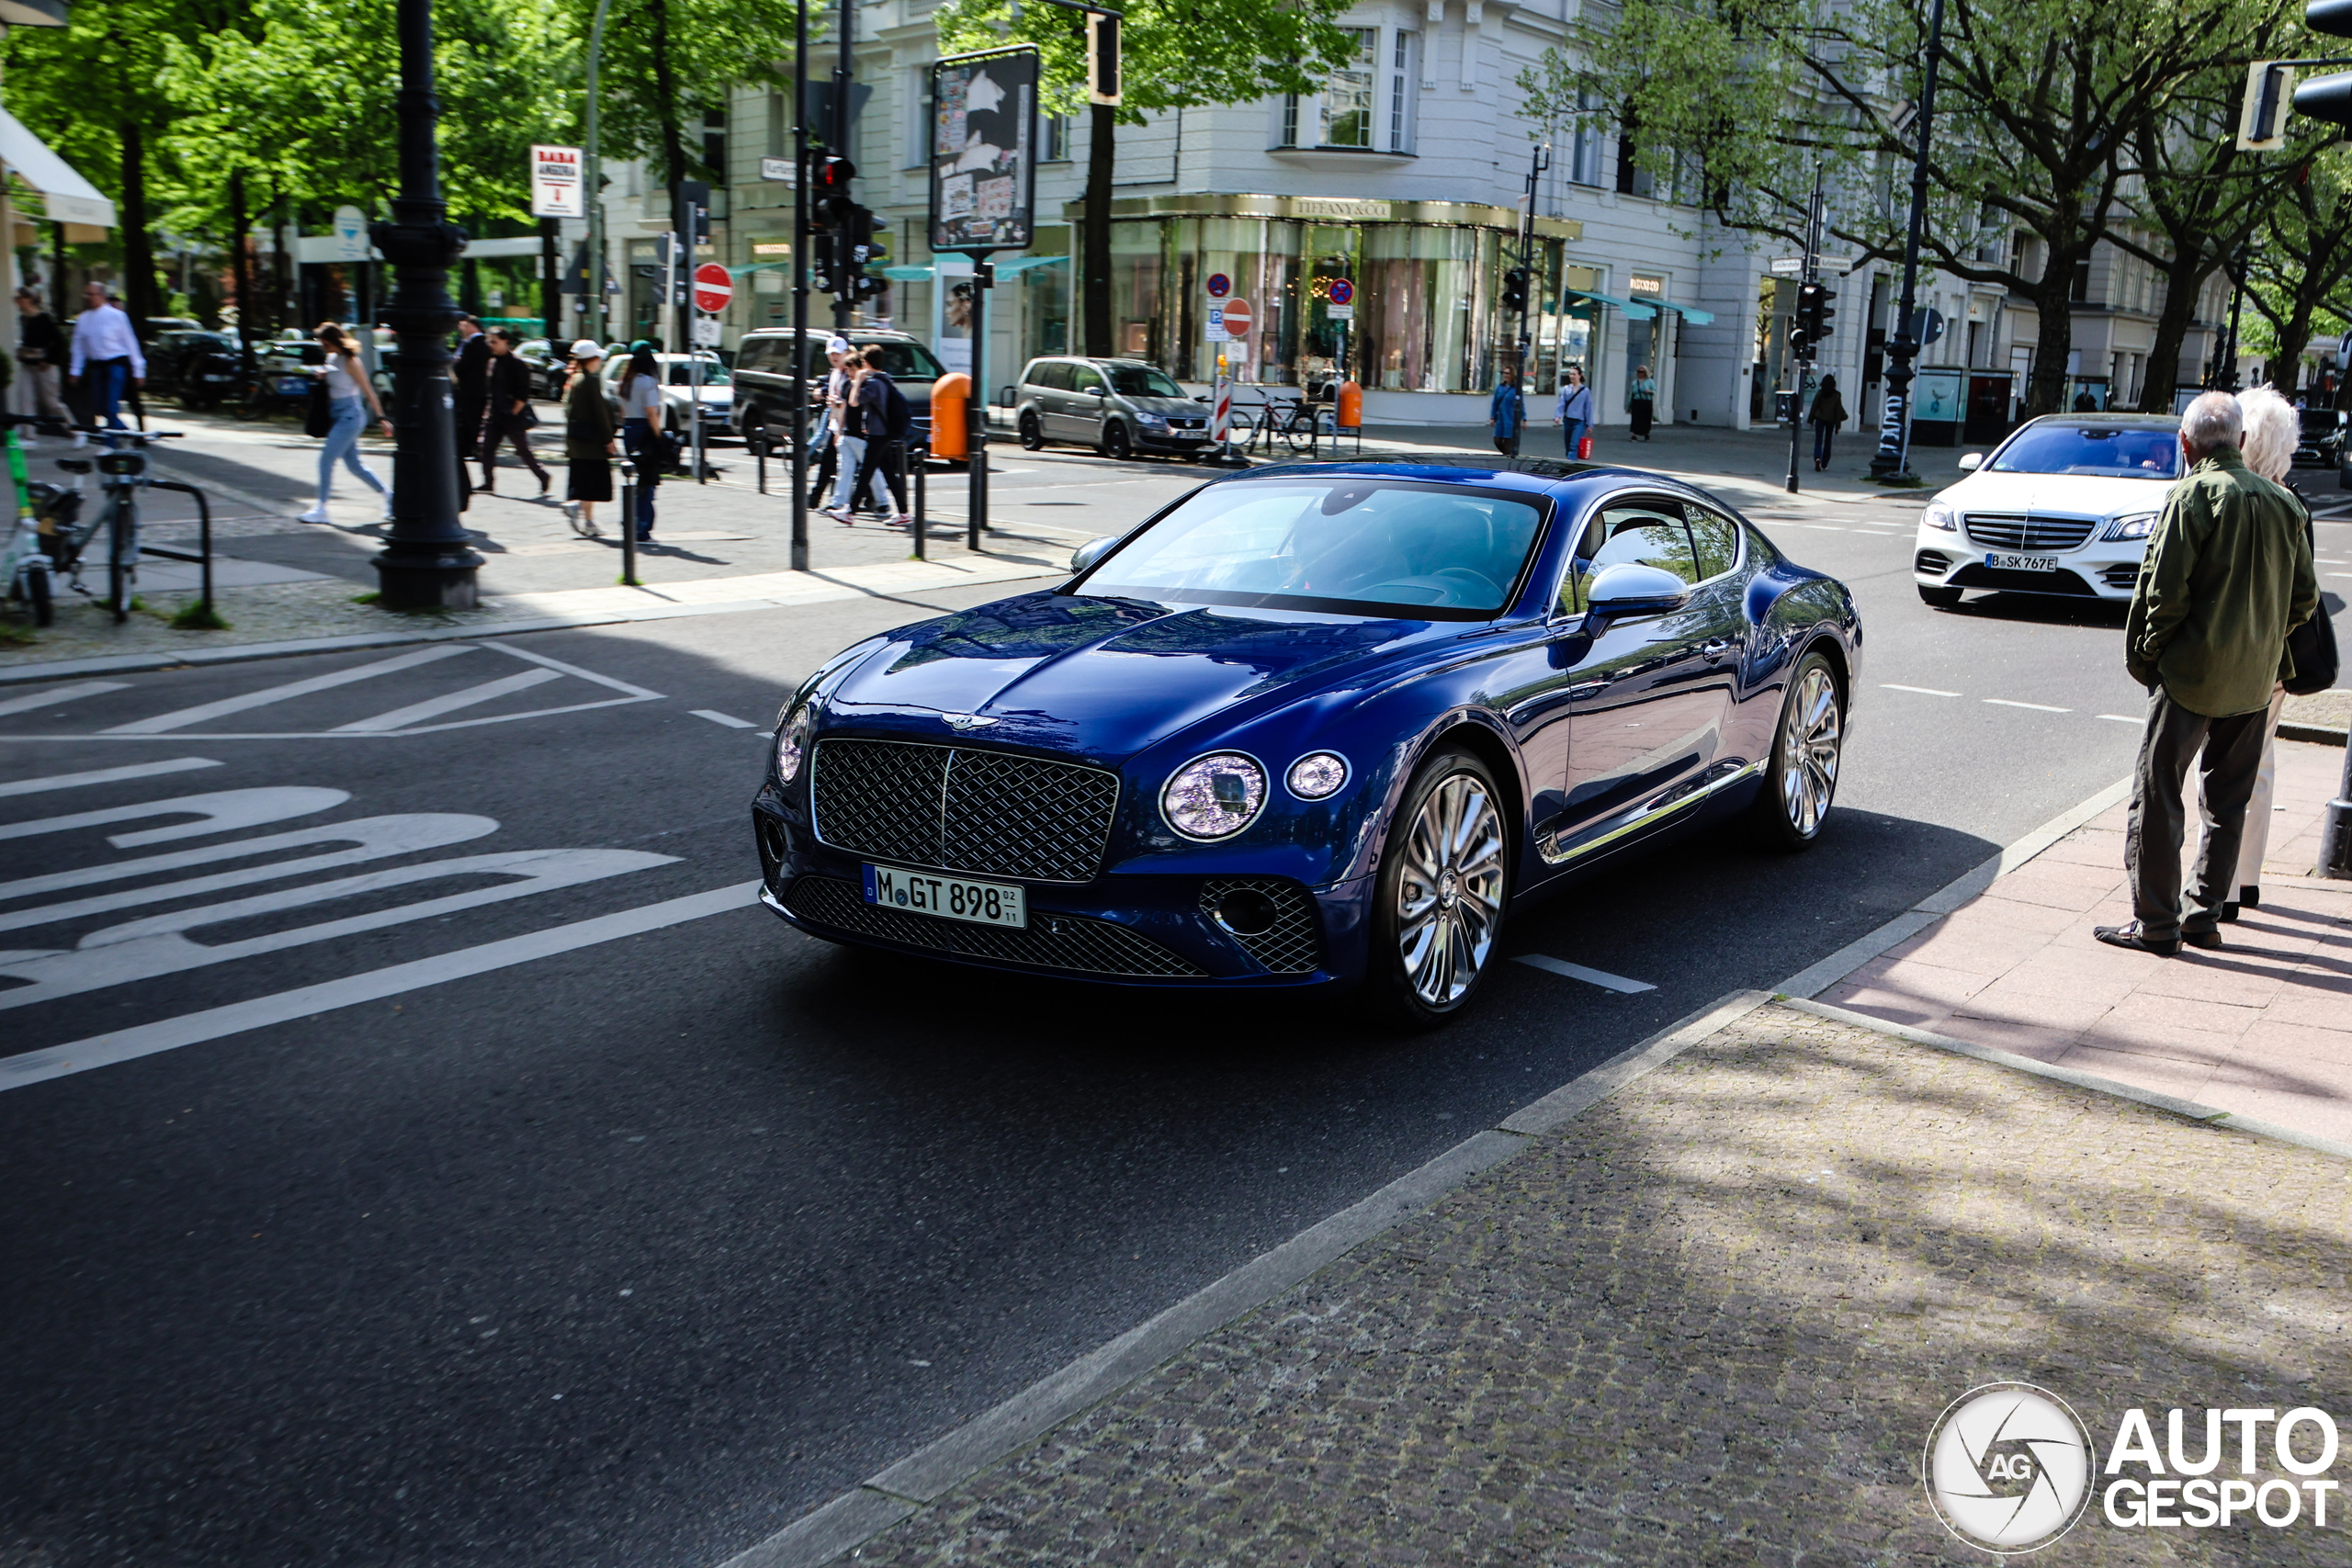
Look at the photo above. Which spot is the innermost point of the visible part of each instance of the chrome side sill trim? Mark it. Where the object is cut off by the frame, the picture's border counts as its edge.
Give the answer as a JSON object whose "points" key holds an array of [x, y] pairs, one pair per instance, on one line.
{"points": [[1643, 816]]}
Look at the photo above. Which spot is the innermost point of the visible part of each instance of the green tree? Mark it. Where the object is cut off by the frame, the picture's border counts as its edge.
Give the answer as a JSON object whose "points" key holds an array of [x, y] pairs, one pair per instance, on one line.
{"points": [[2299, 265], [668, 62], [2032, 147], [1177, 54]]}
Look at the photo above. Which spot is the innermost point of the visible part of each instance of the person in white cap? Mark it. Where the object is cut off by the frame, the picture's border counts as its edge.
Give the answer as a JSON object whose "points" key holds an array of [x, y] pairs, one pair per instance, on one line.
{"points": [[589, 433], [828, 437]]}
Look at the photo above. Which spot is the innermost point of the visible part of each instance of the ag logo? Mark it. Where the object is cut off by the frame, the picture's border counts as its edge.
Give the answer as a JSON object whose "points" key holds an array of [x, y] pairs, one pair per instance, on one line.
{"points": [[2007, 1467]]}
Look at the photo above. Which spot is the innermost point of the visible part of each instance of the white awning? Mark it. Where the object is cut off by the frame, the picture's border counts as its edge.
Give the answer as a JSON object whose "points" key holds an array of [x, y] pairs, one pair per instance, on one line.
{"points": [[66, 196]]}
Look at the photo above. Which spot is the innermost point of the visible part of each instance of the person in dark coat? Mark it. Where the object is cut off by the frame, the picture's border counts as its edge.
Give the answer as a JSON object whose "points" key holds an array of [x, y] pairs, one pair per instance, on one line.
{"points": [[471, 372], [1506, 411], [507, 415], [1828, 413], [590, 434]]}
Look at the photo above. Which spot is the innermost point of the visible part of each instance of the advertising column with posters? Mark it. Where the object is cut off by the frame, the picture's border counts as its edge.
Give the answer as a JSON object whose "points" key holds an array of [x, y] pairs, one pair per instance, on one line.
{"points": [[983, 199]]}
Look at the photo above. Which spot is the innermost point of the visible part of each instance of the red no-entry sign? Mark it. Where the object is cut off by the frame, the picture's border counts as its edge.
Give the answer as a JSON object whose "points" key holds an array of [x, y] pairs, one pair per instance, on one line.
{"points": [[713, 287], [1237, 318]]}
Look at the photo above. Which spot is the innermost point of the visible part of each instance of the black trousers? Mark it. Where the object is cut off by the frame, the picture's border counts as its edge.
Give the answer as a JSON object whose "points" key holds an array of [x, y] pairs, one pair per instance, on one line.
{"points": [[891, 456], [821, 472], [1822, 436], [508, 429], [2152, 838]]}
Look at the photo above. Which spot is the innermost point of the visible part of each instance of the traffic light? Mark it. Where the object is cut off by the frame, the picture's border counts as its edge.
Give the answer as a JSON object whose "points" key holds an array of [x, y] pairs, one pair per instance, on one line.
{"points": [[830, 203], [2327, 97], [1515, 288], [1813, 316], [1102, 58]]}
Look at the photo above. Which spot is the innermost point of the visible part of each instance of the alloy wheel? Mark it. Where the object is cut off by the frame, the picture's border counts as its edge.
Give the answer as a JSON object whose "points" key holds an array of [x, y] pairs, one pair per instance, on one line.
{"points": [[1449, 898], [1811, 736]]}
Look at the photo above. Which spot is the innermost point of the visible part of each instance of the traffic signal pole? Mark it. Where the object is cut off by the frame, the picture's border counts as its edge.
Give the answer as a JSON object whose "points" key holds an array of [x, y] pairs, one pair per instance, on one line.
{"points": [[800, 413], [1805, 328], [1891, 464], [845, 293], [976, 509]]}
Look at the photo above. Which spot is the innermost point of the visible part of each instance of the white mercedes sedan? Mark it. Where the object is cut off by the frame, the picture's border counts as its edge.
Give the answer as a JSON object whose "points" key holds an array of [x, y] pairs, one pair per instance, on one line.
{"points": [[2064, 506]]}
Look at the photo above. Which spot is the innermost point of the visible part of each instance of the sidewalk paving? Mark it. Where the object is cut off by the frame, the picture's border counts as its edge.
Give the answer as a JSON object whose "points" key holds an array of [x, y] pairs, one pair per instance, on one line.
{"points": [[2262, 1027], [1708, 1321]]}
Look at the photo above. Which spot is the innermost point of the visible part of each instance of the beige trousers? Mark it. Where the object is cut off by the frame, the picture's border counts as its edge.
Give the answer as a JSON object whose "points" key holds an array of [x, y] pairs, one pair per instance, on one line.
{"points": [[2254, 845]]}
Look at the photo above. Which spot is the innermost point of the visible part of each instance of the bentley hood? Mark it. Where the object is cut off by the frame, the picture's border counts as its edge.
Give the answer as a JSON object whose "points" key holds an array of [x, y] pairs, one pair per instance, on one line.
{"points": [[1102, 678]]}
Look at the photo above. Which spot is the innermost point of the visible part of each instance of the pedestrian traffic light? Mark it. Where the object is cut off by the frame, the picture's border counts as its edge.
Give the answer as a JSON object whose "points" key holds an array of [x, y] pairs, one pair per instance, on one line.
{"points": [[2327, 97], [1813, 315], [1515, 288]]}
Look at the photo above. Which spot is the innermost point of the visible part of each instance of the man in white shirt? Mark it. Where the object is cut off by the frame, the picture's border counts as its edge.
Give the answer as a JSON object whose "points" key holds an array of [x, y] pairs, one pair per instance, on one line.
{"points": [[107, 350]]}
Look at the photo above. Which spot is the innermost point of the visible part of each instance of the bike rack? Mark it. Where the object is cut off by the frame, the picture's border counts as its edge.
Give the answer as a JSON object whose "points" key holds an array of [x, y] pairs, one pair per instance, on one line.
{"points": [[204, 537]]}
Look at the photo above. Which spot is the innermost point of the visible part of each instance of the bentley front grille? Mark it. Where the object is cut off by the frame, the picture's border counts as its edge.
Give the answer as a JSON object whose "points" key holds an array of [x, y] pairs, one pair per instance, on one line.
{"points": [[959, 808]]}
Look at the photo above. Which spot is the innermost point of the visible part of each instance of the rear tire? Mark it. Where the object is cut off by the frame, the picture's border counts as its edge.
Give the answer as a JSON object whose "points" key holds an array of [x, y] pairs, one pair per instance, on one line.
{"points": [[1938, 598], [1033, 435], [1438, 897], [1808, 752]]}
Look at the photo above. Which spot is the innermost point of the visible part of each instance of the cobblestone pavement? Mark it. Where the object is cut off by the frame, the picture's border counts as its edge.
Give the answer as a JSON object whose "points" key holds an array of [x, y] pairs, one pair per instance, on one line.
{"points": [[1711, 1321]]}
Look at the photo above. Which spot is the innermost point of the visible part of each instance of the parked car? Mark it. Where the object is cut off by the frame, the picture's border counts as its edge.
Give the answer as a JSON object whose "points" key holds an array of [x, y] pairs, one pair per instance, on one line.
{"points": [[1313, 728], [764, 377], [1119, 406], [2322, 445], [197, 367], [2064, 506], [678, 391], [547, 366]]}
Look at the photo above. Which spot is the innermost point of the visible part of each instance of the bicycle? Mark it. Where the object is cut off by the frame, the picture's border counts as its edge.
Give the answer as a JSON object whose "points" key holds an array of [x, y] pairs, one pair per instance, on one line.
{"points": [[121, 475], [1300, 424], [24, 563]]}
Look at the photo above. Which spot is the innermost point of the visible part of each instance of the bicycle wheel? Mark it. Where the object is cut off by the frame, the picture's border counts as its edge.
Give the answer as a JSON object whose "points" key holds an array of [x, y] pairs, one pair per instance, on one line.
{"points": [[1298, 431], [122, 572], [1241, 431]]}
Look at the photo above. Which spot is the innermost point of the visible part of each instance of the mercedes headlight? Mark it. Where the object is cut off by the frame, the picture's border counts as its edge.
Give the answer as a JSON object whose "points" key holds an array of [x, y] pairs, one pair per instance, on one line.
{"points": [[2138, 526], [1215, 796], [792, 744], [1939, 516], [1317, 775]]}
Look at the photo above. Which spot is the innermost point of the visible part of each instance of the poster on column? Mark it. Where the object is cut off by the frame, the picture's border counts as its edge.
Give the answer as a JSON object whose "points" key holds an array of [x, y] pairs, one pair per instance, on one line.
{"points": [[984, 151]]}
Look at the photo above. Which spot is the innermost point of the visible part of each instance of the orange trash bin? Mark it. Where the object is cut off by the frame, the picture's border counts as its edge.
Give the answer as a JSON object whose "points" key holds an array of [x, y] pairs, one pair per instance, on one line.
{"points": [[951, 418], [1350, 414]]}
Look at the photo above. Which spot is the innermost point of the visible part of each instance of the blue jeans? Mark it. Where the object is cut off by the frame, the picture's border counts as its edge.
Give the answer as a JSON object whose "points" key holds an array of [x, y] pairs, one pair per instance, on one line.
{"points": [[852, 459], [342, 446], [640, 442], [1573, 431], [107, 378]]}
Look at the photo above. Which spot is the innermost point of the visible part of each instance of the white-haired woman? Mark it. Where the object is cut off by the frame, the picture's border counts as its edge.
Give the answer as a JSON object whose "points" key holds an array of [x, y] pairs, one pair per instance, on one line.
{"points": [[2273, 431]]}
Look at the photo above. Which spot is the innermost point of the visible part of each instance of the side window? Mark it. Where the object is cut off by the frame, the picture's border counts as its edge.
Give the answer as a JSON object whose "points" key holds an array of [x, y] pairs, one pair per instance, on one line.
{"points": [[1033, 373], [1716, 539], [1579, 576], [1085, 379], [1650, 532], [760, 354], [1055, 375]]}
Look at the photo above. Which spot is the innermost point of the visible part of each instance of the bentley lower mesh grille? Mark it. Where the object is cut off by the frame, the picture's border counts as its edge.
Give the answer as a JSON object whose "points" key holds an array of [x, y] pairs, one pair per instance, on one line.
{"points": [[1288, 947], [988, 813], [1052, 942], [2014, 531]]}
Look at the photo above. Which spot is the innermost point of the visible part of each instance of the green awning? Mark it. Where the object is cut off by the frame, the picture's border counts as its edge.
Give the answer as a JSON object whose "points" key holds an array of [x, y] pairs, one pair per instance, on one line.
{"points": [[1632, 310]]}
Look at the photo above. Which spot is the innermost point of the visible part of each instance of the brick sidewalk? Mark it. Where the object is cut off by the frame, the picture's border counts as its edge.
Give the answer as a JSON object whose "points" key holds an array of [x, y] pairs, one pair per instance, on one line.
{"points": [[2262, 1028], [1711, 1321]]}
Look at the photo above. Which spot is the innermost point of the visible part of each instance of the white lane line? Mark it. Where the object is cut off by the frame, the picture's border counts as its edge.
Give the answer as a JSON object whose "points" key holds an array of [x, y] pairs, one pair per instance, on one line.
{"points": [[58, 696], [2037, 707], [2121, 718], [106, 775], [1921, 691], [727, 720], [169, 1034], [448, 702], [541, 659], [1599, 977], [263, 698]]}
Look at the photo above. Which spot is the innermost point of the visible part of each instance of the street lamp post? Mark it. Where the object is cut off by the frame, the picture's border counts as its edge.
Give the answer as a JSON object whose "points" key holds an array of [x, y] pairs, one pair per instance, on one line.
{"points": [[593, 286], [426, 562], [1891, 461]]}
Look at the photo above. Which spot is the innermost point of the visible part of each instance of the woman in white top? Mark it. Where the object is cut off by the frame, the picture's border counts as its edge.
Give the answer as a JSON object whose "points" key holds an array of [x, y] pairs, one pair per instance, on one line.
{"points": [[642, 429], [350, 399]]}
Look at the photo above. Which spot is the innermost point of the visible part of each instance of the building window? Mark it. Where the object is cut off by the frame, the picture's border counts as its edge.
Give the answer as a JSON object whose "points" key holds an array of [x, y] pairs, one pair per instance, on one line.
{"points": [[1344, 114], [779, 125], [714, 144], [919, 133], [2082, 289], [1584, 154], [1053, 145], [1403, 71]]}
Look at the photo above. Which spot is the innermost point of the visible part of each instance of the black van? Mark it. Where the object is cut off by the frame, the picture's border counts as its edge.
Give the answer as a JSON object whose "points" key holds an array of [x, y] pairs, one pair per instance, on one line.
{"points": [[764, 377]]}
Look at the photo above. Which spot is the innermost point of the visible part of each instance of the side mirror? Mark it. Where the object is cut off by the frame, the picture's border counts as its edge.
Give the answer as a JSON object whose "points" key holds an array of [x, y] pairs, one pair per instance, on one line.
{"points": [[1086, 554], [1629, 588], [1971, 461], [1006, 397], [1099, 390]]}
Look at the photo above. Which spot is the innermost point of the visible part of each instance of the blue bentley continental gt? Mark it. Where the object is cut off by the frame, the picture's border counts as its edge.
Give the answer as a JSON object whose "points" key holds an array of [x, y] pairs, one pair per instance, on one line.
{"points": [[1313, 725]]}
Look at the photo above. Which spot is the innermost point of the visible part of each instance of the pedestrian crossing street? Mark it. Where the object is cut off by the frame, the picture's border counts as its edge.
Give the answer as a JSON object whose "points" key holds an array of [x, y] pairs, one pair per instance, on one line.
{"points": [[421, 691]]}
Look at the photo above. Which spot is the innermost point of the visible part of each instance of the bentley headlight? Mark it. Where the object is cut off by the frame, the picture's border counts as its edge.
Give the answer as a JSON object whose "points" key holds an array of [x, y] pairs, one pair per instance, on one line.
{"points": [[791, 744], [1215, 796], [1317, 775], [1939, 516], [2138, 526]]}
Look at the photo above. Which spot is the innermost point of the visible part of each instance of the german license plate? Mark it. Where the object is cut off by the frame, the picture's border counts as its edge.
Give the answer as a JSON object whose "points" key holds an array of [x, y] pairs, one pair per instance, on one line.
{"points": [[950, 897], [2022, 563]]}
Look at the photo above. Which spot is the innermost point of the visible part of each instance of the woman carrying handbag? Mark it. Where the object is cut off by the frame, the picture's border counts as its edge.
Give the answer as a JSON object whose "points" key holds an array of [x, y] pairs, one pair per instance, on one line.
{"points": [[349, 397]]}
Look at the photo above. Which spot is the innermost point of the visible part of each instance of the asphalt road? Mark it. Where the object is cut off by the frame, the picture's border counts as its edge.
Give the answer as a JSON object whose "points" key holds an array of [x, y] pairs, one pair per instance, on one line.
{"points": [[629, 1253]]}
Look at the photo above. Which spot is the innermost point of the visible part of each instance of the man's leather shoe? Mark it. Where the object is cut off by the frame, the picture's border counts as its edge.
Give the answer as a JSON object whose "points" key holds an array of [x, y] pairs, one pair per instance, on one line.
{"points": [[2210, 941], [2129, 936], [2229, 914]]}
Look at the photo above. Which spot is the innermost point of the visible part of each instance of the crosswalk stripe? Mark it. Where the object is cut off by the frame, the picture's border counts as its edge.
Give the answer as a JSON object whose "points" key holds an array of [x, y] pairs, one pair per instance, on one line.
{"points": [[181, 718], [106, 775], [57, 696], [433, 707]]}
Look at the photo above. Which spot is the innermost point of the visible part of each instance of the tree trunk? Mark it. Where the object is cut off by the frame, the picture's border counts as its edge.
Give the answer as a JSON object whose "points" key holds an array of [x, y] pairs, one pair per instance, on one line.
{"points": [[138, 246], [2183, 280], [240, 263], [1101, 147], [2053, 339], [2285, 369]]}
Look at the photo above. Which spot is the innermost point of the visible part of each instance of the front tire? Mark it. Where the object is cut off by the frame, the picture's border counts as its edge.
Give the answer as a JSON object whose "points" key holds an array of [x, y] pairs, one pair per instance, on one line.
{"points": [[1938, 598], [1808, 751], [1033, 435], [1440, 894]]}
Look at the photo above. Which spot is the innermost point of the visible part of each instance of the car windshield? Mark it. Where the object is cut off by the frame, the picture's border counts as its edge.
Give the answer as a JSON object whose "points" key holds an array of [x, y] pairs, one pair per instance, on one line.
{"points": [[713, 374], [1350, 545], [2320, 422], [2103, 451], [1141, 382], [903, 361]]}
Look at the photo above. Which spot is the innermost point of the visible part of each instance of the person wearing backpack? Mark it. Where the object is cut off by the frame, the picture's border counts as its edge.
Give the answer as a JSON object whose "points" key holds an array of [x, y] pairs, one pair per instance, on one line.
{"points": [[890, 419]]}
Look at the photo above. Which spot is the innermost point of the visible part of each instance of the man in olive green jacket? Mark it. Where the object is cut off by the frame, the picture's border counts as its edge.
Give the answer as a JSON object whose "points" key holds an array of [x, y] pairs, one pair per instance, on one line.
{"points": [[2228, 571]]}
